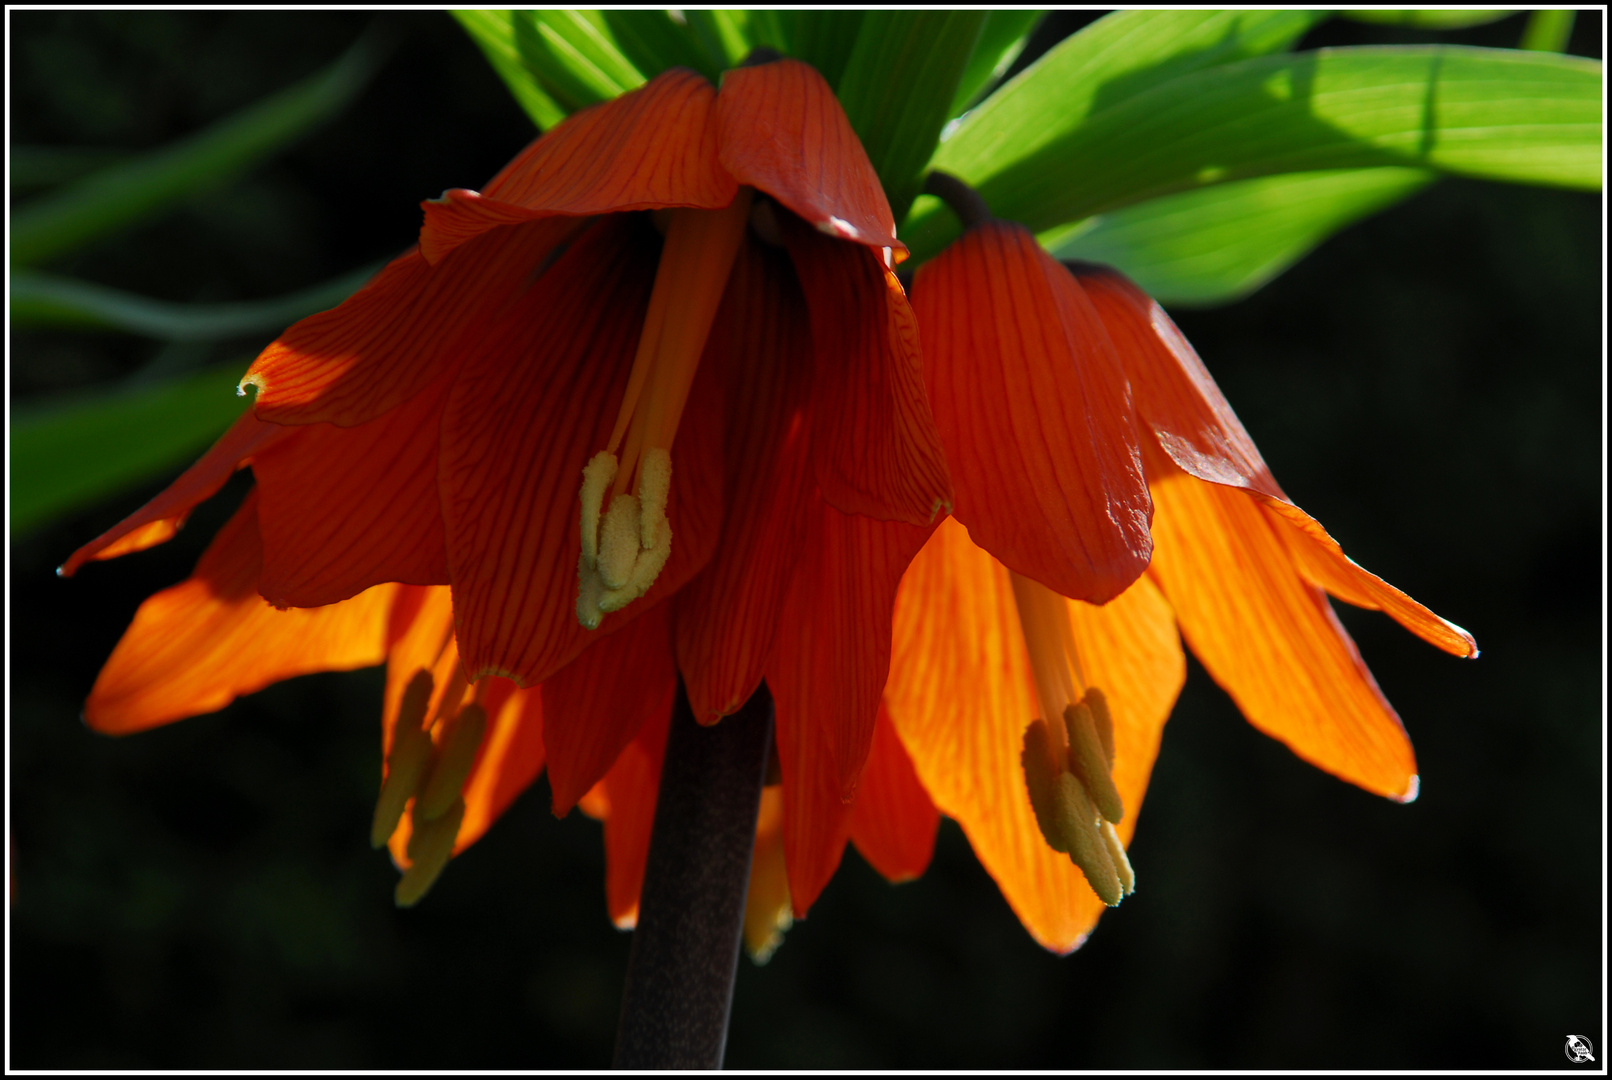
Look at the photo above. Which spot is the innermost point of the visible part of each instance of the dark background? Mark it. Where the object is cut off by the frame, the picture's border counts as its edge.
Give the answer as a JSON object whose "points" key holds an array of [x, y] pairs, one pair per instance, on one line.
{"points": [[1428, 384]]}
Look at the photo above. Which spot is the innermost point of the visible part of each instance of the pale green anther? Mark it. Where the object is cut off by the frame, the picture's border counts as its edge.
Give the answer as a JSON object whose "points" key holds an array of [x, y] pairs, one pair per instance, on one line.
{"points": [[597, 476], [1122, 861], [407, 761], [654, 489], [1039, 758], [1077, 821], [1088, 762], [618, 541], [461, 738], [430, 848], [1097, 702]]}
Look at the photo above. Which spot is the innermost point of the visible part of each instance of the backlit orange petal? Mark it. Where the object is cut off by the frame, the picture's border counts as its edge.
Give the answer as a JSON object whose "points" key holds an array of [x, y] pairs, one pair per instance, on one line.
{"points": [[421, 639], [783, 131], [197, 646], [652, 147], [528, 411], [761, 349], [597, 703], [1270, 638], [1035, 414], [875, 449], [893, 821], [159, 519], [631, 788], [341, 509], [399, 333], [961, 695], [511, 757], [828, 666]]}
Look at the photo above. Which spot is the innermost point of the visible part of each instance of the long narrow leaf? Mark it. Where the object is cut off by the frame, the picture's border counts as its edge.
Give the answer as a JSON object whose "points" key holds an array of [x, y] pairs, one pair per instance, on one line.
{"points": [[1495, 113], [654, 41], [1429, 18], [574, 56], [1547, 31], [46, 300], [1001, 40], [117, 196], [494, 33], [1218, 244], [71, 453]]}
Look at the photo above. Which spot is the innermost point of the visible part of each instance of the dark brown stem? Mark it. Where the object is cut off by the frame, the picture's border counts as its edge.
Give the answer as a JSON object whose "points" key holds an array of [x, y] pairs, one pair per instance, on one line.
{"points": [[685, 951], [761, 54], [964, 201]]}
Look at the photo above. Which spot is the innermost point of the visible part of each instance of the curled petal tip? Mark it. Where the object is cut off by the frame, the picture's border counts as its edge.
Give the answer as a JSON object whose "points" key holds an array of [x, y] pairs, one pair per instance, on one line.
{"points": [[1413, 788]]}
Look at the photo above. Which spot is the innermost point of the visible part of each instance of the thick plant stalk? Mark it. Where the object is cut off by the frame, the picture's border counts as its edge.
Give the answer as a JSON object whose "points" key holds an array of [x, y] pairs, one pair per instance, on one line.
{"points": [[685, 950]]}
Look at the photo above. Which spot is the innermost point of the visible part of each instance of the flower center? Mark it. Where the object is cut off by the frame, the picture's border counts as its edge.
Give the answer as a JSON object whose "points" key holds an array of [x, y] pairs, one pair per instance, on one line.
{"points": [[626, 542], [1068, 756]]}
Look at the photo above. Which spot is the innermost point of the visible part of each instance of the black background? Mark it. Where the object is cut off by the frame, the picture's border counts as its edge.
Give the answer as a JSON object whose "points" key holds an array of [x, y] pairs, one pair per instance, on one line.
{"points": [[1428, 384]]}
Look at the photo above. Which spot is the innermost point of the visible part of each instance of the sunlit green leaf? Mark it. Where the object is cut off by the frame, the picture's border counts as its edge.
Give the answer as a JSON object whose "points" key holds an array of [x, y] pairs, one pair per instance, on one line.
{"points": [[72, 452], [824, 39], [494, 33], [898, 87], [46, 300], [573, 56], [119, 195], [1430, 18], [723, 35], [1218, 244], [1001, 40], [1547, 31], [1496, 113], [653, 41]]}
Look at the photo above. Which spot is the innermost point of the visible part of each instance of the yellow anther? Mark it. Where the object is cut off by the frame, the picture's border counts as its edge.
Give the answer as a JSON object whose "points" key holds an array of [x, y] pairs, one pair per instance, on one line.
{"points": [[456, 753], [654, 489], [407, 761], [1041, 771], [1097, 702], [1122, 862], [597, 476], [1077, 821], [618, 542], [644, 572], [430, 848], [589, 591], [1088, 761]]}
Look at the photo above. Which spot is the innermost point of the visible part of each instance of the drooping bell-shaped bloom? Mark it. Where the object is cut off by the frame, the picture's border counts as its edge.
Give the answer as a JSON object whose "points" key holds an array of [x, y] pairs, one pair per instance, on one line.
{"points": [[1032, 367]]}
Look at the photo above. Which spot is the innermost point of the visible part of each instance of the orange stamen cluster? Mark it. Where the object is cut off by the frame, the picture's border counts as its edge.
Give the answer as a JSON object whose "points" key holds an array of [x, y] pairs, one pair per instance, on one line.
{"points": [[626, 543], [1069, 761]]}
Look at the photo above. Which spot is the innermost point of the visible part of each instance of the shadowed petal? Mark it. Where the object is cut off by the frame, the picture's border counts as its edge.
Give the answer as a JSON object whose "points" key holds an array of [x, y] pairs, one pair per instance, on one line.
{"points": [[893, 821], [1035, 414], [626, 798], [199, 645], [783, 131], [1270, 638], [961, 694], [875, 451]]}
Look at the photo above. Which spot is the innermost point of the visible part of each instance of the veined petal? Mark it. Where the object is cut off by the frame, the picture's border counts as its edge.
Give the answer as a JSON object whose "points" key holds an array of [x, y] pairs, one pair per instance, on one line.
{"points": [[631, 788], [893, 821], [341, 509], [420, 634], [199, 645], [961, 694], [760, 349], [158, 520], [783, 132], [875, 449], [596, 704], [399, 333], [828, 666], [528, 410], [1035, 414], [1269, 637], [511, 757]]}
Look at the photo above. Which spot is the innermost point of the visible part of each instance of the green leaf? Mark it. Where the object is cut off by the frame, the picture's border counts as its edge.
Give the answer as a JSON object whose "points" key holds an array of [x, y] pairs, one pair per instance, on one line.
{"points": [[653, 41], [117, 196], [70, 453], [1001, 41], [1547, 31], [46, 300], [1495, 113], [34, 167], [723, 35], [898, 87], [573, 56], [1113, 59], [494, 33], [1218, 244], [1430, 19], [824, 39]]}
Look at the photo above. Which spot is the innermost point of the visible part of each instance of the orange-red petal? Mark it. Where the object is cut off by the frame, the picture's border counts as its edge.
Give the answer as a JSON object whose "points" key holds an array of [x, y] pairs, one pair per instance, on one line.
{"points": [[399, 333], [159, 519], [875, 449], [631, 788], [596, 704], [341, 509], [527, 412], [512, 755], [961, 695], [893, 820], [783, 132], [197, 646], [760, 348], [1035, 414], [1268, 636]]}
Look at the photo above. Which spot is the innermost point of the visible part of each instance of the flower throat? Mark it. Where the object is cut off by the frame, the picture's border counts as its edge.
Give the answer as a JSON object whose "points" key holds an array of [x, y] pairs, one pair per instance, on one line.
{"points": [[626, 539]]}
